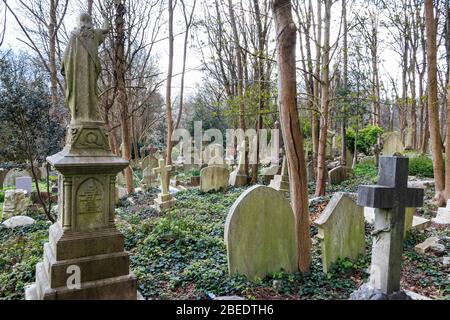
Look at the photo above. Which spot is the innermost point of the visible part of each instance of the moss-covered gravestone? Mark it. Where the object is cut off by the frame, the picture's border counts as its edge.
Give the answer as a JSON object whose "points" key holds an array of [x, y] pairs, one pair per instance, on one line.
{"points": [[85, 257], [214, 178], [260, 234], [341, 229]]}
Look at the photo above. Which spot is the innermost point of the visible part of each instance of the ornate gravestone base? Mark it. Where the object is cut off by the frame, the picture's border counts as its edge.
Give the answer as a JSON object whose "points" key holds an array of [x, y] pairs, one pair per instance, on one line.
{"points": [[85, 257]]}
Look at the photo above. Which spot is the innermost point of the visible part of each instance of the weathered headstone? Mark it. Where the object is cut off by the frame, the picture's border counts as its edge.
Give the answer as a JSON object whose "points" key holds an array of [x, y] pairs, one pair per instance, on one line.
{"points": [[10, 178], [43, 171], [238, 178], [432, 244], [16, 203], [149, 178], [84, 243], [341, 230], [392, 144], [443, 215], [389, 197], [25, 183], [164, 199], [214, 178], [260, 234], [281, 182], [340, 174]]}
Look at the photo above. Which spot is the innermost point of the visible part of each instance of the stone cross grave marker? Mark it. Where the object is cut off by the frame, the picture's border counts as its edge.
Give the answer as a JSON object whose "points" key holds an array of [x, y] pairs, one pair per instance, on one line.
{"points": [[164, 199], [389, 197]]}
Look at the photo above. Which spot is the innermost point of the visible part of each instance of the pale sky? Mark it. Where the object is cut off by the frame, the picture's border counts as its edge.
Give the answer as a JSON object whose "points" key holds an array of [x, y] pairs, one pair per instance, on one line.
{"points": [[389, 60]]}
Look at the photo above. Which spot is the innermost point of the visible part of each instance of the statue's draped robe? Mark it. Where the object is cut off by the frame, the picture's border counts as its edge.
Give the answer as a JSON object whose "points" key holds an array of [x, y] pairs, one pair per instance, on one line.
{"points": [[81, 68]]}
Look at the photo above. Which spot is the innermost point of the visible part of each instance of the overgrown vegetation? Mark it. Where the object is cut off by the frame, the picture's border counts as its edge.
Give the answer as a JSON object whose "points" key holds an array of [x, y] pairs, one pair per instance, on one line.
{"points": [[365, 139]]}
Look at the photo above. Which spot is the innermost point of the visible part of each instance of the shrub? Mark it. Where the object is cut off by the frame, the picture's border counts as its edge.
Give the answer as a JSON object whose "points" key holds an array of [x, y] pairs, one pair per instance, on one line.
{"points": [[367, 138], [2, 196], [421, 166]]}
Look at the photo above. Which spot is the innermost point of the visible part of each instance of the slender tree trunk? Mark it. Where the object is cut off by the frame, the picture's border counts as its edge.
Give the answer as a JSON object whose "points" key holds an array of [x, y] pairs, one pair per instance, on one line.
{"points": [[436, 142], [286, 38], [325, 100], [169, 88], [345, 71], [52, 56], [447, 147], [121, 98], [316, 119], [90, 4]]}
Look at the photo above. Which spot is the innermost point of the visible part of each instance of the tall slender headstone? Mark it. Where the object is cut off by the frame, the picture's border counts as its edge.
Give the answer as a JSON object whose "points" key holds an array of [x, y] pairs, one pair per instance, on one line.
{"points": [[85, 257], [389, 197]]}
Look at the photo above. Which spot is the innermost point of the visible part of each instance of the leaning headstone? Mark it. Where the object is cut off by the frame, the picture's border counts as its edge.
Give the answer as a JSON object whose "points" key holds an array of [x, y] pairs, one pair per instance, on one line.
{"points": [[84, 244], [431, 244], [214, 178], [25, 183], [16, 203], [238, 178], [18, 222], [392, 144], [281, 182], [341, 230], [164, 199], [260, 234], [389, 197], [340, 174], [149, 178], [443, 215]]}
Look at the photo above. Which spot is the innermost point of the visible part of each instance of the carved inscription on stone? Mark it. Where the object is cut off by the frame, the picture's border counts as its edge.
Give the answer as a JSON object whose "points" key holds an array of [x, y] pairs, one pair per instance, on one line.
{"points": [[90, 204]]}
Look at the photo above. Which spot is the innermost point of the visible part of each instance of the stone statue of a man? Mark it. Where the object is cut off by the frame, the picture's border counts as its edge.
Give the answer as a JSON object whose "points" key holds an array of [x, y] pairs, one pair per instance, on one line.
{"points": [[81, 68]]}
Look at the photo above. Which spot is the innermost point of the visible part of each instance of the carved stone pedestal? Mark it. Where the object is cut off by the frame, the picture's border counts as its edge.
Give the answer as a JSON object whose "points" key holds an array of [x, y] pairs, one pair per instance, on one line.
{"points": [[85, 257]]}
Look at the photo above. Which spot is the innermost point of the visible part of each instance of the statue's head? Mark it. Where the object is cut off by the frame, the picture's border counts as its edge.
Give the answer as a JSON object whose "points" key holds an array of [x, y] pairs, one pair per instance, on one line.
{"points": [[85, 20]]}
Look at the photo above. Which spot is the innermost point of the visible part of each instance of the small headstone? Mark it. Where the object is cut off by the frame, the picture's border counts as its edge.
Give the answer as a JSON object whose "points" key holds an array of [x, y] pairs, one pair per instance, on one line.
{"points": [[214, 178], [18, 221], [341, 229], [446, 261], [16, 203], [25, 183], [268, 173], [340, 174], [389, 197], [260, 234], [43, 171], [281, 182], [443, 215], [10, 178]]}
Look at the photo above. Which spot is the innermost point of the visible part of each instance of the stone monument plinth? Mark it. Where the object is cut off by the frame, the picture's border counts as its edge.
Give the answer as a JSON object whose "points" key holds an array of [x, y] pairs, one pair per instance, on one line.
{"points": [[85, 257]]}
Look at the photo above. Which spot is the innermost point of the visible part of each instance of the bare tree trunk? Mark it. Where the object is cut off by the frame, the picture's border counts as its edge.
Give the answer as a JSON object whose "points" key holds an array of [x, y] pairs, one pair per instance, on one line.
{"points": [[90, 4], [447, 147], [316, 121], [169, 88], [286, 36], [436, 142], [52, 55], [345, 62], [321, 160], [121, 98], [188, 23]]}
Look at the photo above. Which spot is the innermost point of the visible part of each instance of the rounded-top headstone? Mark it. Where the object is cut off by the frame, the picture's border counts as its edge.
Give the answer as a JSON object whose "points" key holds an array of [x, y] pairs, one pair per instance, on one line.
{"points": [[260, 234]]}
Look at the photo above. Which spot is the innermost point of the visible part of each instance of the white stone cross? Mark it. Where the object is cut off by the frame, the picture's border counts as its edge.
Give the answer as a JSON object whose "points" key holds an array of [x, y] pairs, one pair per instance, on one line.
{"points": [[164, 172]]}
